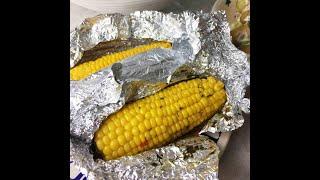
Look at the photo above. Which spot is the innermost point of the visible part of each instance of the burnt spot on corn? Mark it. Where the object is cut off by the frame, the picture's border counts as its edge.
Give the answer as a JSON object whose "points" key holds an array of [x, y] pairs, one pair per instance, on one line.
{"points": [[143, 144]]}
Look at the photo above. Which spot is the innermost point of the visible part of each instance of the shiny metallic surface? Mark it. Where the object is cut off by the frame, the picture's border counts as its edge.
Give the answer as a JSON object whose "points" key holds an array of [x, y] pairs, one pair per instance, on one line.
{"points": [[189, 158], [201, 47]]}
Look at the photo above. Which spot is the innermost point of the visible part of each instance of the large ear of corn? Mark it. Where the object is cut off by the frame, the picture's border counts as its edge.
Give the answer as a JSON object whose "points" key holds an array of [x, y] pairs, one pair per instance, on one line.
{"points": [[160, 118], [84, 70]]}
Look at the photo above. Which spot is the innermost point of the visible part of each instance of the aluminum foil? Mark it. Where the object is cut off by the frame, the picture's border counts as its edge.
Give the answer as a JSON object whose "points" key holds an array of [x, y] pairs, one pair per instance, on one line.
{"points": [[188, 158], [201, 46]]}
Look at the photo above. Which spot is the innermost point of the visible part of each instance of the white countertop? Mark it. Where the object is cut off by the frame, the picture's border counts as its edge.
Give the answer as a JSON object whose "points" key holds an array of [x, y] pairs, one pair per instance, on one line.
{"points": [[78, 14]]}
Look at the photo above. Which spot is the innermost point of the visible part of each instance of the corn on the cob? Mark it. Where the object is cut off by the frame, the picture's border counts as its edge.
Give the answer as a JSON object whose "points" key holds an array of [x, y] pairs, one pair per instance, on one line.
{"points": [[84, 70], [160, 118]]}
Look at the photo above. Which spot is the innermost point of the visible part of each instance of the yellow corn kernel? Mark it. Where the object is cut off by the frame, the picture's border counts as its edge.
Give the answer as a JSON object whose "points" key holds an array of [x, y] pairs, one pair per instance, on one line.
{"points": [[114, 144], [135, 150], [142, 127], [155, 141], [119, 131], [148, 115], [147, 135], [137, 140], [118, 123], [126, 148], [153, 133], [84, 70], [153, 122], [170, 120], [127, 135], [122, 140], [114, 154], [161, 138], [127, 126], [158, 130], [159, 121], [135, 131], [173, 128], [134, 122], [99, 134], [100, 144], [132, 144], [112, 134], [146, 128], [105, 139], [165, 121], [121, 151], [107, 150], [163, 128], [142, 138], [147, 124]]}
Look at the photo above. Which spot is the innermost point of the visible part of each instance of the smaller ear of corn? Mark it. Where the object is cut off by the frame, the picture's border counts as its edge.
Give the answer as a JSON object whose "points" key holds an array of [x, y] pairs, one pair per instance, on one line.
{"points": [[84, 70], [160, 118]]}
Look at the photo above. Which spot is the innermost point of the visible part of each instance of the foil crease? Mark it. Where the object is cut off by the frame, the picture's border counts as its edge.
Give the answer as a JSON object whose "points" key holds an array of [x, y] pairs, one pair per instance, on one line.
{"points": [[201, 46], [194, 157]]}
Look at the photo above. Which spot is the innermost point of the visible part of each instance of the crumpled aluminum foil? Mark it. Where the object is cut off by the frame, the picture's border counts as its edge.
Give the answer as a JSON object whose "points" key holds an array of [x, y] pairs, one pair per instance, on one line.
{"points": [[189, 158], [201, 46]]}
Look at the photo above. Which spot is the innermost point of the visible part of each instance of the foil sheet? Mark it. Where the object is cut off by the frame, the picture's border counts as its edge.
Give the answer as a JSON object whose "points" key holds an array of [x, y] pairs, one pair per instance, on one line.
{"points": [[188, 158], [201, 46]]}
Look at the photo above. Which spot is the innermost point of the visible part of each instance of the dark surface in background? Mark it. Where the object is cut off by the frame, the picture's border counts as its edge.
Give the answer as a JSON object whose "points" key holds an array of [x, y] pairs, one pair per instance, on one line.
{"points": [[235, 162]]}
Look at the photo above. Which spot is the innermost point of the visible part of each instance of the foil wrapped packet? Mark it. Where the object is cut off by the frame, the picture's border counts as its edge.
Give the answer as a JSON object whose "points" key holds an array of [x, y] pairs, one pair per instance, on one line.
{"points": [[201, 46]]}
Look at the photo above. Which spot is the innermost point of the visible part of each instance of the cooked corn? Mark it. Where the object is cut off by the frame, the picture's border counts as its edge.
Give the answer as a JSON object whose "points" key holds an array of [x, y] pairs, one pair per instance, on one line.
{"points": [[160, 118], [84, 70]]}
